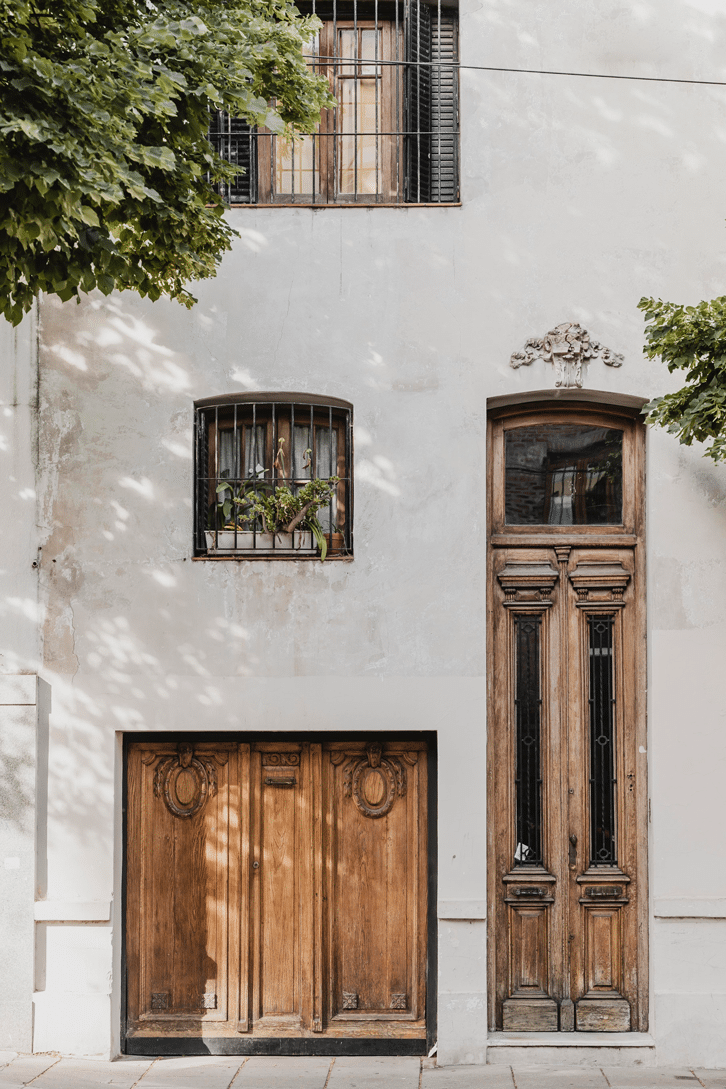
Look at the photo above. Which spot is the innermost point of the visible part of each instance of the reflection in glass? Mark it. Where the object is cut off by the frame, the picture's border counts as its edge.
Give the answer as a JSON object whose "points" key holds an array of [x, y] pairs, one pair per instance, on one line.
{"points": [[563, 475]]}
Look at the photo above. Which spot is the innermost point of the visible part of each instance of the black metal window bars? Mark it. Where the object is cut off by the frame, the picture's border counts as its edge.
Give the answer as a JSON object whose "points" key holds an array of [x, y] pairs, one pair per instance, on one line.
{"points": [[528, 715], [393, 137], [603, 849], [260, 459]]}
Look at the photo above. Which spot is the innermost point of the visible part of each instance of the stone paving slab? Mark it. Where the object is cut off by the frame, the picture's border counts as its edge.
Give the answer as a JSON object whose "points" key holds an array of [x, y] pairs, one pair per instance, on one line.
{"points": [[650, 1077], [712, 1079], [191, 1072], [89, 1073], [559, 1077], [283, 1072], [24, 1069], [386, 1072], [7, 1057], [467, 1077]]}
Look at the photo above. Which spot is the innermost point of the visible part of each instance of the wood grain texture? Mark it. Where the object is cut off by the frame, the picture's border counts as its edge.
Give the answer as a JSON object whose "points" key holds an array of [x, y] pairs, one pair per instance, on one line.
{"points": [[597, 951], [295, 881]]}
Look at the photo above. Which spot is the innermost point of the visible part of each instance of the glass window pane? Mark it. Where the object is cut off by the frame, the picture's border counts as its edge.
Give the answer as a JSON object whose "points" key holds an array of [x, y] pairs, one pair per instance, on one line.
{"points": [[360, 150], [563, 474]]}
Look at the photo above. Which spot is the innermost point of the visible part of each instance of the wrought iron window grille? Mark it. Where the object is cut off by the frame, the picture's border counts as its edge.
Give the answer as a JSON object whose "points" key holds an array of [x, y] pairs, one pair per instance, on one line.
{"points": [[263, 462], [393, 137]]}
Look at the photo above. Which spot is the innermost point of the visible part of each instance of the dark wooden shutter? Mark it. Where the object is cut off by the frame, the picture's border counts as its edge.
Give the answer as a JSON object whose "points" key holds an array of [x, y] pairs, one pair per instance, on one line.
{"points": [[444, 108], [236, 142], [418, 103], [431, 105]]}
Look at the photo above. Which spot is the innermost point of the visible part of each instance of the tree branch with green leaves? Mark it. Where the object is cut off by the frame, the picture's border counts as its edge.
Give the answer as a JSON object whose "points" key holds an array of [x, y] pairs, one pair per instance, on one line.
{"points": [[690, 339], [106, 172]]}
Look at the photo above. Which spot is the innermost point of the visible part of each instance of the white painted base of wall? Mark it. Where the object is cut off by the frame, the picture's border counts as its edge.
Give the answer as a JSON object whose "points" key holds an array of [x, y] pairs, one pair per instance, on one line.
{"points": [[691, 1029], [74, 1024], [571, 1049]]}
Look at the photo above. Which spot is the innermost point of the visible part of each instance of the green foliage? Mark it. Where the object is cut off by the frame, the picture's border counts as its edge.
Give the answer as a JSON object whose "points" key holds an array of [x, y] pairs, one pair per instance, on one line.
{"points": [[276, 509], [104, 157], [691, 339]]}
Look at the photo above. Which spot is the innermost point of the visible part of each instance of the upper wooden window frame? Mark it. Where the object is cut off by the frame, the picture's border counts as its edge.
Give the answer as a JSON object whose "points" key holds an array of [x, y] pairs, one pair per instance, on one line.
{"points": [[623, 416]]}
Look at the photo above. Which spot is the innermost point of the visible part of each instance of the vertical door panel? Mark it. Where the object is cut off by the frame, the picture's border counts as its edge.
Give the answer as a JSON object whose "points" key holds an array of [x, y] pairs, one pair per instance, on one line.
{"points": [[375, 863], [280, 879], [181, 850]]}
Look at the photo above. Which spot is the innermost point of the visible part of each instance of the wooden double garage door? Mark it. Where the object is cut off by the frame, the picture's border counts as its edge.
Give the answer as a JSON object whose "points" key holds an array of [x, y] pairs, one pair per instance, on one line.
{"points": [[276, 896]]}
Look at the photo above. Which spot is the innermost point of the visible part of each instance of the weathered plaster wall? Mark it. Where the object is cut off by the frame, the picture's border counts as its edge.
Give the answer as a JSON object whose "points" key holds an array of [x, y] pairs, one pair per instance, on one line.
{"points": [[579, 196], [18, 680]]}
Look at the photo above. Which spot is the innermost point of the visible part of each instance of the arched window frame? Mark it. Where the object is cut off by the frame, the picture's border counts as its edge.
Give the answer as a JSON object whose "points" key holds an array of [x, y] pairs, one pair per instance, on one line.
{"points": [[586, 407], [317, 442]]}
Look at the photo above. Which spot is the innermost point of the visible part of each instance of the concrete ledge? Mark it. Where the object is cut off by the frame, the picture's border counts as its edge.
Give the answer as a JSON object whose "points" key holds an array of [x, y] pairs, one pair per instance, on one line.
{"points": [[571, 1048], [462, 909], [699, 908], [72, 911]]}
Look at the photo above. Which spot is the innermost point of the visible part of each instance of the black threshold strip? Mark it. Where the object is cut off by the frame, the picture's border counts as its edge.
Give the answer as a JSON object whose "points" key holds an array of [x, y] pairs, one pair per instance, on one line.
{"points": [[226, 1045]]}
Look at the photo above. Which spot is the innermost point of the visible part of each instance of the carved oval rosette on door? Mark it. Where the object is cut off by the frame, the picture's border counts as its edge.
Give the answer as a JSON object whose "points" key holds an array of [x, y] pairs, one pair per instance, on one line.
{"points": [[184, 782], [374, 781]]}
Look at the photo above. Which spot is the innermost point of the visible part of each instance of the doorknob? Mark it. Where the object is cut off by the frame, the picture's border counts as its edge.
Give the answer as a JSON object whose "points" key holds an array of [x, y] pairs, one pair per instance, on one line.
{"points": [[573, 850]]}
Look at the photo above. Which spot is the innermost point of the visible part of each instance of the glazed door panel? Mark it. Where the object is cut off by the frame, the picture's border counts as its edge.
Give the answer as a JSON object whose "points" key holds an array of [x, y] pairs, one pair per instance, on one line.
{"points": [[276, 889]]}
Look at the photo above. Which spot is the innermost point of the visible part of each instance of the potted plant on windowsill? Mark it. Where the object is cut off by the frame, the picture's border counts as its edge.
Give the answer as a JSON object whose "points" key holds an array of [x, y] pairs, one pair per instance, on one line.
{"points": [[271, 520]]}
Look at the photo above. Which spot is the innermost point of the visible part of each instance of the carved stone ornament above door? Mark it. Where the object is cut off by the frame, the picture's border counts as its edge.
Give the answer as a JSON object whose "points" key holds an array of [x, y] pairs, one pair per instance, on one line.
{"points": [[567, 347], [184, 782]]}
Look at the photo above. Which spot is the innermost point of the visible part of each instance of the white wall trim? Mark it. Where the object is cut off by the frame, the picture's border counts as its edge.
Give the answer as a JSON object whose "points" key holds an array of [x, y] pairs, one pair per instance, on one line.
{"points": [[72, 911], [462, 909], [699, 908]]}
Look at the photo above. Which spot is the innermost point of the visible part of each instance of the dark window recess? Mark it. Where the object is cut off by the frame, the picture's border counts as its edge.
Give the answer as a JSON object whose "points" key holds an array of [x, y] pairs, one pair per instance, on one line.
{"points": [[528, 709], [602, 742], [259, 464], [563, 475], [393, 137]]}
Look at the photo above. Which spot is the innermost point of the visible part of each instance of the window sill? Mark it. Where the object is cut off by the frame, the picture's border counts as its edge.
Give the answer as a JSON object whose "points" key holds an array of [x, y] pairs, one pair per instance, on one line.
{"points": [[245, 557], [348, 204]]}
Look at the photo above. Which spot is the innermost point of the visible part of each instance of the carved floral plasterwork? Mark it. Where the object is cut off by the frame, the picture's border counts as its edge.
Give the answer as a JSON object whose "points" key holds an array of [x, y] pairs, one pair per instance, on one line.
{"points": [[568, 346]]}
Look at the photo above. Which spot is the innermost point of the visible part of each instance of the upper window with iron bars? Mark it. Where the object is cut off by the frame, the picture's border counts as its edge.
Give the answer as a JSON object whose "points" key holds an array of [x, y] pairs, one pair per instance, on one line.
{"points": [[393, 137], [273, 477]]}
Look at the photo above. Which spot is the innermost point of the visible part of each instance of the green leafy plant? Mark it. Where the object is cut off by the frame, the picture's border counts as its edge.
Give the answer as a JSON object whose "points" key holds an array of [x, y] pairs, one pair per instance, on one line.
{"points": [[106, 171], [281, 508], [690, 339], [284, 511]]}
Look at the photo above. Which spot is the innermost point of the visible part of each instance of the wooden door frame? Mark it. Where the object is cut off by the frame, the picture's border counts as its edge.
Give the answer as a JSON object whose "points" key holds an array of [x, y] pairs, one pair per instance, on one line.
{"points": [[549, 405], [167, 1046]]}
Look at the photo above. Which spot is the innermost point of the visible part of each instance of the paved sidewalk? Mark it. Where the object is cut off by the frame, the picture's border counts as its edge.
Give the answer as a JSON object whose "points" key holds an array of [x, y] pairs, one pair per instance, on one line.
{"points": [[53, 1072]]}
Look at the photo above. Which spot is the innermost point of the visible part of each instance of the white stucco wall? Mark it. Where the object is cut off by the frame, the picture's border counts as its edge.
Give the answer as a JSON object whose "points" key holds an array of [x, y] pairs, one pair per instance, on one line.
{"points": [[579, 196]]}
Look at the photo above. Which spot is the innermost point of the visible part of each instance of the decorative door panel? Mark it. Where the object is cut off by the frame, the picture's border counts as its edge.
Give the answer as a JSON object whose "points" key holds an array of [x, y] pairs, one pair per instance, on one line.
{"points": [[281, 890], [567, 781], [179, 917], [376, 895], [276, 889]]}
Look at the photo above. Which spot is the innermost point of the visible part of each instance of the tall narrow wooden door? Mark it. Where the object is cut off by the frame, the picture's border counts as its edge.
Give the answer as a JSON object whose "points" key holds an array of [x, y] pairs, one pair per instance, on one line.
{"points": [[566, 726], [276, 890]]}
